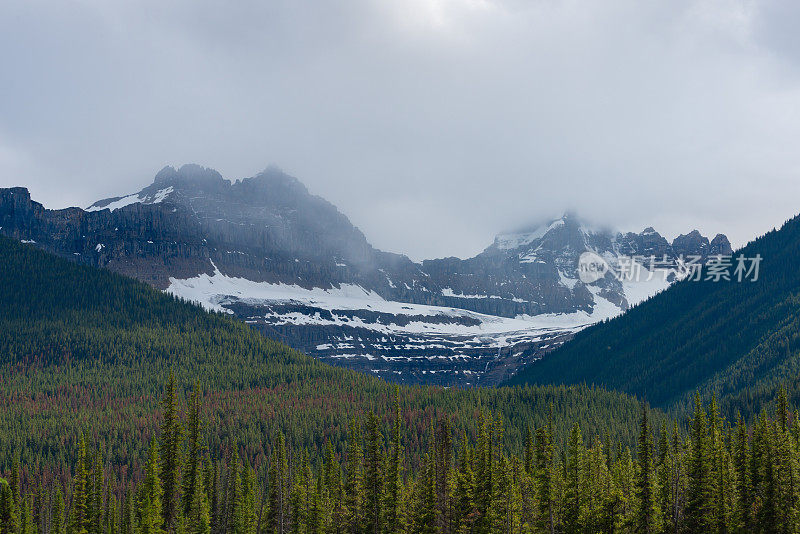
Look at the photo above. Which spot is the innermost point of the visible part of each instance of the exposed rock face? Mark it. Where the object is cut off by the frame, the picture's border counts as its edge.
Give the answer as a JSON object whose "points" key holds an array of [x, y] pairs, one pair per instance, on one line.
{"points": [[285, 257]]}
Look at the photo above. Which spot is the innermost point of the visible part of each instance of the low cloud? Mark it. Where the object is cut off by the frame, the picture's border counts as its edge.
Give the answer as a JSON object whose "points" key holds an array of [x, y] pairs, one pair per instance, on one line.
{"points": [[433, 124]]}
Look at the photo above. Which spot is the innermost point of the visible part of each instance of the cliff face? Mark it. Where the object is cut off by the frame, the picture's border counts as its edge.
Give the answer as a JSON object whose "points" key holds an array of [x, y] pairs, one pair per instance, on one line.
{"points": [[292, 265]]}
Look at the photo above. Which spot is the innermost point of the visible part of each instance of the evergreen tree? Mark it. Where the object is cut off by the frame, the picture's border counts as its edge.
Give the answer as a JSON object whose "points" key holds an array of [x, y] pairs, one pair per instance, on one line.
{"points": [[700, 506], [95, 496], [244, 507], [648, 519], [573, 510], [425, 521], [233, 488], [171, 436], [149, 513], [80, 500], [194, 450], [373, 483], [9, 520], [465, 511], [57, 525], [354, 486], [278, 516], [394, 475], [545, 470], [199, 517], [15, 480]]}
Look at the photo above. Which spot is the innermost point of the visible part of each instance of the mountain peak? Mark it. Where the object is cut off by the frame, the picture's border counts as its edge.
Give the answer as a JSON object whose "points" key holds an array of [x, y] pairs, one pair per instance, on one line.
{"points": [[189, 174]]}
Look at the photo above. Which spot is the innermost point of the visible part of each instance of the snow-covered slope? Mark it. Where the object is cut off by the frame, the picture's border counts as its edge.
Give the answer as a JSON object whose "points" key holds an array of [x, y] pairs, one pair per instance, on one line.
{"points": [[291, 264], [393, 339]]}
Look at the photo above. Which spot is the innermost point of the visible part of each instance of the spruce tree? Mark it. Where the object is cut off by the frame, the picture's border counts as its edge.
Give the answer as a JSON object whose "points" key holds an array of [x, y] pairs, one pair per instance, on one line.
{"points": [[573, 505], [57, 525], [465, 512], [199, 518], [278, 516], [149, 503], [700, 505], [9, 520], [95, 510], [78, 513], [648, 518], [394, 475], [425, 509], [194, 450], [354, 486], [233, 487], [171, 436], [244, 507], [545, 474], [373, 482]]}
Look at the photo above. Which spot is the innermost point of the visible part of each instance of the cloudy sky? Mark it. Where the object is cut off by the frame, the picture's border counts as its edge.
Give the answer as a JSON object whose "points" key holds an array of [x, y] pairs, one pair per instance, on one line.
{"points": [[433, 124]]}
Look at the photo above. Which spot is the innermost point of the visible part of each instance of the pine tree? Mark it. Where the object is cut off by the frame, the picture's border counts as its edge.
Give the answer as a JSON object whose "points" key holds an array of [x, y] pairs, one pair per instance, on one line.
{"points": [[373, 483], [500, 514], [26, 515], [354, 486], [700, 506], [233, 487], [194, 450], [648, 518], [573, 509], [95, 496], [394, 475], [199, 518], [149, 511], [171, 436], [529, 455], [444, 466], [599, 501], [484, 467], [465, 511], [278, 516], [57, 517], [15, 481], [332, 482], [425, 510], [9, 520], [244, 507], [112, 515], [78, 514], [545, 473], [214, 504]]}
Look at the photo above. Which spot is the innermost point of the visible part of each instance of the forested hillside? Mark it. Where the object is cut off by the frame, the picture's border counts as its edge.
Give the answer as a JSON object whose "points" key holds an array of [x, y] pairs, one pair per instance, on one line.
{"points": [[715, 479], [741, 339], [88, 351]]}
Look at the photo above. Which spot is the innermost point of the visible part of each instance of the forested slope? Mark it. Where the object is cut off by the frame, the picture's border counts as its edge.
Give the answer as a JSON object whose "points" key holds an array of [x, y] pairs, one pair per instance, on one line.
{"points": [[741, 339], [87, 350]]}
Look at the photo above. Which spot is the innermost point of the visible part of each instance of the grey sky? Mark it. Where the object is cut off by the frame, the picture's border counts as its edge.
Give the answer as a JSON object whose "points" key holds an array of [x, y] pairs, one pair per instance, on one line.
{"points": [[433, 124]]}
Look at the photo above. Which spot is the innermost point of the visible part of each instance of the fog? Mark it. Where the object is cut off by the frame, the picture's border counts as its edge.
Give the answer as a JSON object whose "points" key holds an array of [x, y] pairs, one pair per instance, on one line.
{"points": [[432, 124]]}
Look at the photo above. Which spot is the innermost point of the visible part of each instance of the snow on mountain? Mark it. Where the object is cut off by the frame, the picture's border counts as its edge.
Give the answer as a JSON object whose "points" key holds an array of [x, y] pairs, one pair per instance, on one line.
{"points": [[138, 198], [292, 265]]}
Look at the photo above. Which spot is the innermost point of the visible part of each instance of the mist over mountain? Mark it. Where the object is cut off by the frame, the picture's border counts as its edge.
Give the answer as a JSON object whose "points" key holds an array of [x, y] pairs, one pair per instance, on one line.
{"points": [[292, 265]]}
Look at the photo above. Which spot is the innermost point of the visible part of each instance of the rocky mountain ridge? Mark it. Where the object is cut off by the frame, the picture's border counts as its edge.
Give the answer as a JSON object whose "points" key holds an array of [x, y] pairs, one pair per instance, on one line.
{"points": [[292, 265]]}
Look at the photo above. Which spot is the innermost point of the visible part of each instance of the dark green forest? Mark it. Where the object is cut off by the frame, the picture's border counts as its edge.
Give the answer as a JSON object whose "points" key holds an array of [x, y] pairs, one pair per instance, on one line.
{"points": [[87, 351], [125, 410], [740, 340], [716, 478]]}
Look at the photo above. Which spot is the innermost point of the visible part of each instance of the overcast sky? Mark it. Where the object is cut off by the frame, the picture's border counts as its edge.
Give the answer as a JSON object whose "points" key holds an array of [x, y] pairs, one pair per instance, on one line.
{"points": [[432, 124]]}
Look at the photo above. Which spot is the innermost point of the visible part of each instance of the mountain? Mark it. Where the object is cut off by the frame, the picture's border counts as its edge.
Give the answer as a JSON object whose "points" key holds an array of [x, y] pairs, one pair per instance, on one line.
{"points": [[739, 340], [291, 265], [85, 351]]}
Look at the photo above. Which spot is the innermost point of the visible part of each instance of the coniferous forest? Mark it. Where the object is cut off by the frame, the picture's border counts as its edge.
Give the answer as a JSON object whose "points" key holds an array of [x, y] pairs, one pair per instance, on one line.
{"points": [[716, 477], [124, 410]]}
